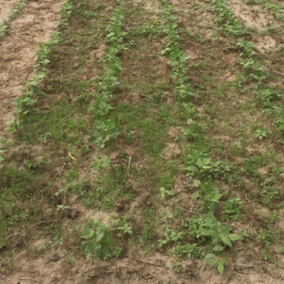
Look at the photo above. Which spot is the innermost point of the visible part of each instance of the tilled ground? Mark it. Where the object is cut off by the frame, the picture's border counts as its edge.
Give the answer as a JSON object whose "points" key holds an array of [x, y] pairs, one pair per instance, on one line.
{"points": [[43, 256]]}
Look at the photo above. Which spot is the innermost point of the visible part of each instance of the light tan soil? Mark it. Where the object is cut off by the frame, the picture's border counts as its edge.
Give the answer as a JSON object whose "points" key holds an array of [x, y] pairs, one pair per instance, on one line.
{"points": [[18, 50], [5, 7]]}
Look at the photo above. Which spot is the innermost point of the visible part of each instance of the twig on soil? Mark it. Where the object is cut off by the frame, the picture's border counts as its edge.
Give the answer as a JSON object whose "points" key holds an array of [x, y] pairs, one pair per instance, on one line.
{"points": [[209, 278], [247, 198], [149, 263], [62, 169], [65, 277], [64, 197], [38, 224], [155, 276], [27, 76], [128, 168], [137, 168], [71, 156], [237, 274], [117, 267], [197, 270]]}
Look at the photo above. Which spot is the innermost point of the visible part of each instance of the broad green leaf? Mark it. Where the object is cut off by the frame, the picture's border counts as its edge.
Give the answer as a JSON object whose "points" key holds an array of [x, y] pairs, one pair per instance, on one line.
{"points": [[226, 229], [220, 268], [191, 169], [88, 256], [195, 195], [218, 248], [206, 167], [199, 163], [210, 258], [100, 236], [196, 183], [92, 233], [216, 197], [234, 237], [207, 232], [226, 240], [206, 161], [162, 189]]}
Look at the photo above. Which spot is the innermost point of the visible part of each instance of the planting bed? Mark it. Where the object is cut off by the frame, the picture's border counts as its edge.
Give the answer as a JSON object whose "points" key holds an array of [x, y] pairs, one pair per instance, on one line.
{"points": [[142, 142]]}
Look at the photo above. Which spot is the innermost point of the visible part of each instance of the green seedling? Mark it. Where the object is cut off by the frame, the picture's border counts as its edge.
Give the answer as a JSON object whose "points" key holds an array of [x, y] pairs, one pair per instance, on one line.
{"points": [[218, 262], [4, 28], [125, 229], [171, 236], [164, 193], [62, 207], [17, 9], [260, 134], [232, 209], [188, 250], [100, 163], [92, 244], [246, 48]]}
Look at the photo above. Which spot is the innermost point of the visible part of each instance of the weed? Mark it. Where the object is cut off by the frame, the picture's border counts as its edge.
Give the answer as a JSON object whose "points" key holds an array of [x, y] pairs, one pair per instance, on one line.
{"points": [[218, 262], [4, 29], [98, 242], [260, 134], [188, 250], [232, 209], [164, 193]]}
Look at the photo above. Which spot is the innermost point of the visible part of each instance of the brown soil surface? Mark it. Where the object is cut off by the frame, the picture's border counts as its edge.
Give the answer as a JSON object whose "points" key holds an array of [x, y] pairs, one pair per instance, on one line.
{"points": [[5, 7]]}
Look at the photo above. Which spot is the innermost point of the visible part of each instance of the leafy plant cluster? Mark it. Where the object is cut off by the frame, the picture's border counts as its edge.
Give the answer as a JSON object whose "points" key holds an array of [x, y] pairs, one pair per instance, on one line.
{"points": [[269, 96], [4, 29], [24, 103], [226, 22], [205, 228], [98, 242], [209, 228], [99, 239], [16, 9], [200, 167], [273, 8], [255, 73], [105, 126]]}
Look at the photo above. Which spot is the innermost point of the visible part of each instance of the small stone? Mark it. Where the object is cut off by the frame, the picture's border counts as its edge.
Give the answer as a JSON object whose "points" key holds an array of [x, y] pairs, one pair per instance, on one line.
{"points": [[54, 257], [73, 213]]}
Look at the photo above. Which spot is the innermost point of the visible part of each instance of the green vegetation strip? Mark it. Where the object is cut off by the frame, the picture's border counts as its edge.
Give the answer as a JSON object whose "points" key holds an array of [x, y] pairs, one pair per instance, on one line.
{"points": [[106, 128], [256, 75]]}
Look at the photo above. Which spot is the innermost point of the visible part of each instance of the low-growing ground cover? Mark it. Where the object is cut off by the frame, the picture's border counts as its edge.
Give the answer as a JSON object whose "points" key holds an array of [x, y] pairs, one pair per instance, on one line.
{"points": [[148, 147]]}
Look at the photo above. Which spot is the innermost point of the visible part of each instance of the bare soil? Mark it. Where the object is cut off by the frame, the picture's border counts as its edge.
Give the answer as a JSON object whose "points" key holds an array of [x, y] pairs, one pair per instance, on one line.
{"points": [[5, 7]]}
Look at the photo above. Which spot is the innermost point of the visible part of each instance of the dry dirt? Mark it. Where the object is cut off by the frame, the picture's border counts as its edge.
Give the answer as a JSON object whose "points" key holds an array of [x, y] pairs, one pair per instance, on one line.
{"points": [[18, 49], [256, 17], [5, 7]]}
